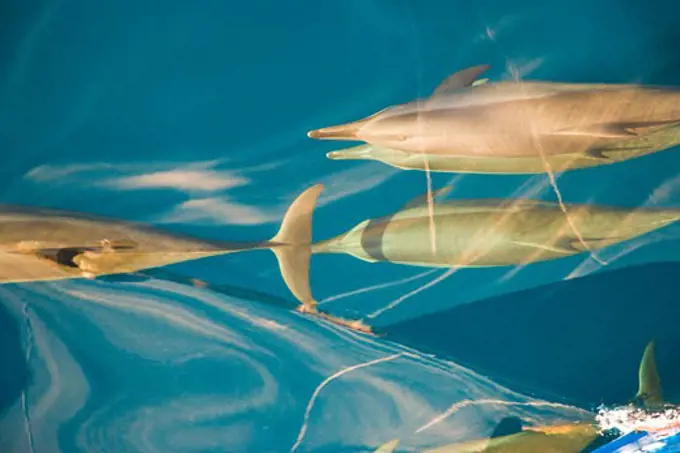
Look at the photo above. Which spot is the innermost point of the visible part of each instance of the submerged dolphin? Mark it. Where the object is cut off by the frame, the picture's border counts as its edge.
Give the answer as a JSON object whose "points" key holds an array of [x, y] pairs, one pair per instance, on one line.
{"points": [[40, 244], [566, 438], [658, 139], [516, 119], [488, 232]]}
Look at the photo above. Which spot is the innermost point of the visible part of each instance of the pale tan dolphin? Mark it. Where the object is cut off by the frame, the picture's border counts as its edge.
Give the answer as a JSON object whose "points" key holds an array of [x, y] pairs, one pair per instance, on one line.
{"points": [[565, 438], [658, 139], [490, 232], [569, 438], [40, 244], [515, 119]]}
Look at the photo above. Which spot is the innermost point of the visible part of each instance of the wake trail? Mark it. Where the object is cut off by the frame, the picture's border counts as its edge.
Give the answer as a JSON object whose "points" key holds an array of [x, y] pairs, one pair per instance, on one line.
{"points": [[310, 405]]}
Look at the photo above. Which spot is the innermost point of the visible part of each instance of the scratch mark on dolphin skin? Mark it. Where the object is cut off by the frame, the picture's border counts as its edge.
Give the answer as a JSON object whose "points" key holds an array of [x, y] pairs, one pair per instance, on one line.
{"points": [[401, 299], [378, 286], [326, 381], [465, 403]]}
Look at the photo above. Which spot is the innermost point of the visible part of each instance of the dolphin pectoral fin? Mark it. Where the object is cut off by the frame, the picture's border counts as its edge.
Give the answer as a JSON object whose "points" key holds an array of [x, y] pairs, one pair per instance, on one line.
{"points": [[62, 256], [597, 153], [71, 256], [564, 248], [613, 131], [460, 79], [579, 245], [613, 153], [570, 246], [649, 392], [620, 130], [388, 447]]}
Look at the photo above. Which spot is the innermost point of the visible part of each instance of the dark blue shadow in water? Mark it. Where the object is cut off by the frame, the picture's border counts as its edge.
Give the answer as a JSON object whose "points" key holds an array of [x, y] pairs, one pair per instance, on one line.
{"points": [[578, 341], [13, 368], [507, 426]]}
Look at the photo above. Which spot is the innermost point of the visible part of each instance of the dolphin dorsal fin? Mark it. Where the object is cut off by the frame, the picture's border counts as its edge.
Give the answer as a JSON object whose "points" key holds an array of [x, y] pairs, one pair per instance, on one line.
{"points": [[388, 447], [649, 387], [460, 79]]}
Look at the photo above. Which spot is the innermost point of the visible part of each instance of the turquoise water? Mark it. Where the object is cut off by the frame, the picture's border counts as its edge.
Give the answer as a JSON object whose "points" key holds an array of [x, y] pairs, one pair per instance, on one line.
{"points": [[193, 117]]}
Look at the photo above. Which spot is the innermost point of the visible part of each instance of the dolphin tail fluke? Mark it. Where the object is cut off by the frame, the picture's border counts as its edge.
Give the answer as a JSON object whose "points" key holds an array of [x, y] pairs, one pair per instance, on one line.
{"points": [[388, 447], [649, 390], [293, 245]]}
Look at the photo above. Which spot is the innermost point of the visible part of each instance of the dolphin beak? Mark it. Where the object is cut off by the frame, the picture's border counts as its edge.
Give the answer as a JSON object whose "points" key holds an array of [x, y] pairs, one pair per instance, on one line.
{"points": [[354, 153], [341, 132]]}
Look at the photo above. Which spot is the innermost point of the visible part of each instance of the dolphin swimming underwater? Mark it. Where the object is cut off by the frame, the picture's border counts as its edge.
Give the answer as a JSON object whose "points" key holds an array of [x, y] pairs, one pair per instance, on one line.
{"points": [[658, 139], [565, 438], [516, 119], [490, 232], [40, 244]]}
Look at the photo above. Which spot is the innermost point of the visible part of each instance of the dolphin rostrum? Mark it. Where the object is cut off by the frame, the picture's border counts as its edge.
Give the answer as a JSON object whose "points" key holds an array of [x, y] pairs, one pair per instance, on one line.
{"points": [[515, 118], [490, 232], [40, 244], [565, 438]]}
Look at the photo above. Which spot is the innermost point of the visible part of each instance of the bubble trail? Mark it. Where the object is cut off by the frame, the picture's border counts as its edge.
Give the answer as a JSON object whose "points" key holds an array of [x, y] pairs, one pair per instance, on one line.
{"points": [[401, 299], [310, 405], [378, 286]]}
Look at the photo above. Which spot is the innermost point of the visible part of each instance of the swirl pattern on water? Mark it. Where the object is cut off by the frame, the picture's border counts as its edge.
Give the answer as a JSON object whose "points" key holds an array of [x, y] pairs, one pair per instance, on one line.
{"points": [[179, 368]]}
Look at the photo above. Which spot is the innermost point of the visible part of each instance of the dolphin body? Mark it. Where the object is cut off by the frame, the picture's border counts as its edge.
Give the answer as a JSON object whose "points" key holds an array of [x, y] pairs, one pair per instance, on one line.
{"points": [[489, 232], [566, 438], [41, 244], [516, 119], [658, 139]]}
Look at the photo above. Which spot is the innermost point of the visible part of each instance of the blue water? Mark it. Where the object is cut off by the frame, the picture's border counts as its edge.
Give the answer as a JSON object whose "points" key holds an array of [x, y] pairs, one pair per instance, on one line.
{"points": [[99, 98]]}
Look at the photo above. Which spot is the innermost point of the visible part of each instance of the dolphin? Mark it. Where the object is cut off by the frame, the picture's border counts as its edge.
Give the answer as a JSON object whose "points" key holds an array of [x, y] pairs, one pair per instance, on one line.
{"points": [[515, 118], [564, 438], [491, 232], [658, 139], [39, 244]]}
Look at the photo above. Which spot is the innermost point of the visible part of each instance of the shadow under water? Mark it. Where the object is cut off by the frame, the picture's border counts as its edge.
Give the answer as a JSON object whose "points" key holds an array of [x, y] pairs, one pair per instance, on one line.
{"points": [[578, 340]]}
